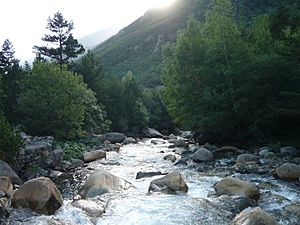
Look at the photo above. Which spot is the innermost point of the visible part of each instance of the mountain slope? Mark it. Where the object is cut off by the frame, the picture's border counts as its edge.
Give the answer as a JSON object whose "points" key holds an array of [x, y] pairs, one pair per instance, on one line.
{"points": [[138, 47]]}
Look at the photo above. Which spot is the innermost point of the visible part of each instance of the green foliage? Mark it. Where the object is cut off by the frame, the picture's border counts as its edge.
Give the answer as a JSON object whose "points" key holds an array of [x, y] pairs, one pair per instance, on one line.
{"points": [[10, 142], [63, 46], [74, 149], [54, 101], [134, 114], [93, 74], [159, 117], [11, 75], [138, 46], [231, 89]]}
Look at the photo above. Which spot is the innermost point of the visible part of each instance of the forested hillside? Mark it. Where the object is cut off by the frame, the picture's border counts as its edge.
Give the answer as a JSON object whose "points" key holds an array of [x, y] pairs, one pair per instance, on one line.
{"points": [[138, 47]]}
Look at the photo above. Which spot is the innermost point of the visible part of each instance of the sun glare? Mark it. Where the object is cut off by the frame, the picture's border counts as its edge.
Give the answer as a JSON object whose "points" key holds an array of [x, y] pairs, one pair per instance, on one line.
{"points": [[161, 3]]}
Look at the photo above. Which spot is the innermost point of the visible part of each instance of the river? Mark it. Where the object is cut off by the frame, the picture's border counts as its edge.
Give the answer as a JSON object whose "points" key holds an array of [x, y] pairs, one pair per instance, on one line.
{"points": [[136, 207]]}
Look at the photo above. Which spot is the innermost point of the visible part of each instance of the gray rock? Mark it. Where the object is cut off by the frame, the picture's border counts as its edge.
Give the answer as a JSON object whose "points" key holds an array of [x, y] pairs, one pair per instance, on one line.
{"points": [[186, 134], [226, 149], [91, 208], [289, 150], [157, 142], [180, 144], [152, 133], [129, 140], [93, 155], [246, 158], [40, 195], [7, 171], [140, 175], [202, 155], [170, 157], [288, 171], [233, 186], [113, 137], [296, 160], [77, 163], [264, 152], [101, 182], [254, 216], [170, 184], [234, 204], [172, 136], [57, 156]]}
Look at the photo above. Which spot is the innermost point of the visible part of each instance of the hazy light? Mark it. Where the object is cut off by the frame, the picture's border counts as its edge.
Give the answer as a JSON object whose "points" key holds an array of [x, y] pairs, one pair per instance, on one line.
{"points": [[23, 21], [161, 3]]}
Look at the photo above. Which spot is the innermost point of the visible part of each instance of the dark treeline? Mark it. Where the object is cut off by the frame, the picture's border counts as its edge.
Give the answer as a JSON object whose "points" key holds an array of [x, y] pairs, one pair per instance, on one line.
{"points": [[236, 83]]}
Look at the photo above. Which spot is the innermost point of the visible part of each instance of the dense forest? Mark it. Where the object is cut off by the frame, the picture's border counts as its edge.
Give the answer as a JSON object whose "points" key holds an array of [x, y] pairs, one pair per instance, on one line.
{"points": [[229, 72]]}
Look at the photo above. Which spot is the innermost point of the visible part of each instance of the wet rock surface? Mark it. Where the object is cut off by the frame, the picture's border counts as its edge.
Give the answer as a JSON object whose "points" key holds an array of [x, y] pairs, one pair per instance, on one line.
{"points": [[101, 182], [170, 184]]}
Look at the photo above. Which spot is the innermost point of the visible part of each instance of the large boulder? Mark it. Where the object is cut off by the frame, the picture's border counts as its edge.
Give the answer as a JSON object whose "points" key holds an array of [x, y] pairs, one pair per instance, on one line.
{"points": [[202, 155], [113, 137], [289, 150], [40, 194], [152, 133], [140, 175], [101, 182], [129, 140], [7, 171], [247, 158], [91, 208], [233, 186], [170, 184], [5, 185], [93, 155], [254, 216], [179, 143], [288, 171]]}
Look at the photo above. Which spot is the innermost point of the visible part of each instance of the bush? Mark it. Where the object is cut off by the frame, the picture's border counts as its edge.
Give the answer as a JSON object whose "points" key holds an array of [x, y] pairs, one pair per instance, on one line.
{"points": [[55, 102], [74, 149], [10, 142]]}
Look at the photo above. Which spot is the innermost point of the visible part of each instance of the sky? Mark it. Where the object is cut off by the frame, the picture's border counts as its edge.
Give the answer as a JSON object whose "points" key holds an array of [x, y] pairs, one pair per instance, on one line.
{"points": [[23, 22]]}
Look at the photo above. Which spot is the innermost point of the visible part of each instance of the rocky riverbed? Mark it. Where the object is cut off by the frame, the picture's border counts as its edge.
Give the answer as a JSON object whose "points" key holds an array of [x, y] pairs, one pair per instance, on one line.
{"points": [[178, 183]]}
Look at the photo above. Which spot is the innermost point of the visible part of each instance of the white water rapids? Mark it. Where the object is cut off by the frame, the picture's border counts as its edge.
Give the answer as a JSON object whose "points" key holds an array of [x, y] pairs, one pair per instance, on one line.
{"points": [[136, 207]]}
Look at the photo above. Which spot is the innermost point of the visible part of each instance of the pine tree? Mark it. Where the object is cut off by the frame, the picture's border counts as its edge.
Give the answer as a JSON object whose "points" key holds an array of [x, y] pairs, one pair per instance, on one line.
{"points": [[62, 45], [11, 74]]}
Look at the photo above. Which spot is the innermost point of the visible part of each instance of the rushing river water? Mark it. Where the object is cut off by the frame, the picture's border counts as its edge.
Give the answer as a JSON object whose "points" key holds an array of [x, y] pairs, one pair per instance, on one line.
{"points": [[136, 207]]}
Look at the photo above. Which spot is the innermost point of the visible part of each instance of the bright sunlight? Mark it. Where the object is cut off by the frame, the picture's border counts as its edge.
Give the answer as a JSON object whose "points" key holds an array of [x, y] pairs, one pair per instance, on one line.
{"points": [[160, 3]]}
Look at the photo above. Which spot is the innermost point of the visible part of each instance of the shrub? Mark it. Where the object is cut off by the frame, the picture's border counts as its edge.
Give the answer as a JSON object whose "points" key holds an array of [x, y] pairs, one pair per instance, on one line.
{"points": [[10, 142], [55, 101]]}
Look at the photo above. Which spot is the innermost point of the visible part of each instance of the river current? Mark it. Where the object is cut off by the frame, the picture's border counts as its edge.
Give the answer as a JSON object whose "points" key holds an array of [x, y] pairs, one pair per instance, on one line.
{"points": [[136, 207]]}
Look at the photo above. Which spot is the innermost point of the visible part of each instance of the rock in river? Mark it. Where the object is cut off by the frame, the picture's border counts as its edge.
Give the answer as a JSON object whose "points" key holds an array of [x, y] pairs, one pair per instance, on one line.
{"points": [[202, 155], [101, 182], [169, 184], [93, 155], [254, 216], [40, 195], [288, 171], [233, 186]]}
